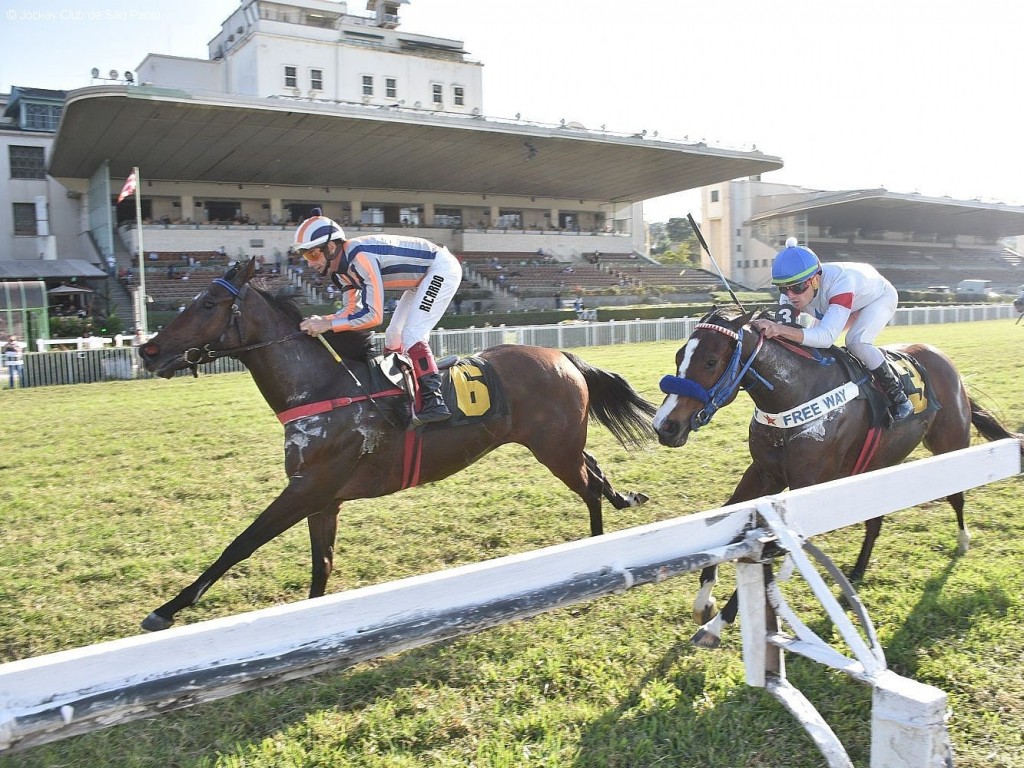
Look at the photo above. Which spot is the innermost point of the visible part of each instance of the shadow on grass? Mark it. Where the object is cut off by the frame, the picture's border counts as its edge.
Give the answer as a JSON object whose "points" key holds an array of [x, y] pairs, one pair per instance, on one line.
{"points": [[704, 722], [746, 726], [938, 617]]}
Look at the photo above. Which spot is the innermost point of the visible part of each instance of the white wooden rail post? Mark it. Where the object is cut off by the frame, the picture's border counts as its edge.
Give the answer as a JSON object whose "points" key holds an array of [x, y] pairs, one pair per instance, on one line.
{"points": [[63, 694], [908, 722]]}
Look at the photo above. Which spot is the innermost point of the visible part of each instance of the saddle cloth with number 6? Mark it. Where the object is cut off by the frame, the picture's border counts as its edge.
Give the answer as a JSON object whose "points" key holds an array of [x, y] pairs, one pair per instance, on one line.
{"points": [[470, 387]]}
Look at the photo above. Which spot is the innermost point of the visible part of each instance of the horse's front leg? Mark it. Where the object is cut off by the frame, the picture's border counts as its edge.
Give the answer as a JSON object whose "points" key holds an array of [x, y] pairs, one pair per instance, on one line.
{"points": [[756, 481], [303, 495], [323, 530], [872, 528], [704, 603]]}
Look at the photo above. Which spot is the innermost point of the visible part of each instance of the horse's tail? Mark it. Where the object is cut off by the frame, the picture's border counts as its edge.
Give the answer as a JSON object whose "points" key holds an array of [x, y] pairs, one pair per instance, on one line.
{"points": [[989, 426], [616, 405]]}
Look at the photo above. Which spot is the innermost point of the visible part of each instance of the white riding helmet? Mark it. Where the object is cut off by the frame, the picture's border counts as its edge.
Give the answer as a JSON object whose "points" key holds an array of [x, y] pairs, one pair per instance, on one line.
{"points": [[315, 231]]}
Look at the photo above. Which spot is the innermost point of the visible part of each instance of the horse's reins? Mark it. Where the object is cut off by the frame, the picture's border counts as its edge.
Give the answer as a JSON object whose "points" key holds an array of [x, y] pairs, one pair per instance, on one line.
{"points": [[196, 356], [730, 381], [206, 355]]}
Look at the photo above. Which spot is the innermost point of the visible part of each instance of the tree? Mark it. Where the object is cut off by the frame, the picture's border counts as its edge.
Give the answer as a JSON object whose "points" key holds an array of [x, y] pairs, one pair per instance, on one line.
{"points": [[674, 242], [679, 230]]}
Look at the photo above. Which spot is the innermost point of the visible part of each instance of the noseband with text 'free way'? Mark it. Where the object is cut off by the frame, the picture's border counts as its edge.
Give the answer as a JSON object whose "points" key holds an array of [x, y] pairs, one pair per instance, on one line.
{"points": [[727, 383]]}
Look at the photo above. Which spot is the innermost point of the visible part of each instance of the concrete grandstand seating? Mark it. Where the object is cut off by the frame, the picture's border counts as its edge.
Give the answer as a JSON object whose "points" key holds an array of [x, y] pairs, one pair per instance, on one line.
{"points": [[528, 276], [911, 265], [167, 288]]}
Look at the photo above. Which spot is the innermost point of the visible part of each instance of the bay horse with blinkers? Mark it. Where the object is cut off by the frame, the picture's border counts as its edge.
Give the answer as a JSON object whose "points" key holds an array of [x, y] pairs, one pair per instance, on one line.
{"points": [[724, 355], [344, 441]]}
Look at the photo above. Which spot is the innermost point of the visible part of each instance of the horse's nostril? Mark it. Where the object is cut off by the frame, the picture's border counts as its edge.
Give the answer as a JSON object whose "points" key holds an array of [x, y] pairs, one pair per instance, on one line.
{"points": [[669, 428], [148, 350]]}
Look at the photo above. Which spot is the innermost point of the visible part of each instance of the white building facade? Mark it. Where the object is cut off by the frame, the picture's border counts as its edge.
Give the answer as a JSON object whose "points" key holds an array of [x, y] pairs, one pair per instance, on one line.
{"points": [[315, 49], [39, 218]]}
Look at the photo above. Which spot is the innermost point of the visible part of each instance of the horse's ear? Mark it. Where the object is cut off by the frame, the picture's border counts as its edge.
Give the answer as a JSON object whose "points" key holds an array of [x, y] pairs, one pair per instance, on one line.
{"points": [[239, 273], [756, 314], [248, 269], [709, 314], [744, 319]]}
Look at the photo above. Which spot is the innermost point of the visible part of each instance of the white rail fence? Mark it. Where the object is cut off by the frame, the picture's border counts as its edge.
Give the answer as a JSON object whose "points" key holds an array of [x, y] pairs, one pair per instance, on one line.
{"points": [[62, 694], [86, 364]]}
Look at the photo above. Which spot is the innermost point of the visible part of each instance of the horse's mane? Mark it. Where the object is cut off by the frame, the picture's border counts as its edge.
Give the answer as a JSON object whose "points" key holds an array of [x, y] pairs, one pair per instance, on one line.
{"points": [[354, 345], [729, 314]]}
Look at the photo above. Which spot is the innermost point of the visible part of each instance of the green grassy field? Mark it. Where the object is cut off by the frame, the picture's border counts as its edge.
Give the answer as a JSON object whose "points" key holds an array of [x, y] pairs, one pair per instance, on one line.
{"points": [[115, 496]]}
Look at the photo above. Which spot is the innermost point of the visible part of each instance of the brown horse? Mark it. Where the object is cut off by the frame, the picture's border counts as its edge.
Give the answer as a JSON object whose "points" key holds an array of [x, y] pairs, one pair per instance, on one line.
{"points": [[795, 440], [345, 441]]}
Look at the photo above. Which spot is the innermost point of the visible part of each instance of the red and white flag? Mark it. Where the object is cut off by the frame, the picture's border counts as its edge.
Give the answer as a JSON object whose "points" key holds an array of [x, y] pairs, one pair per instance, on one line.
{"points": [[129, 187]]}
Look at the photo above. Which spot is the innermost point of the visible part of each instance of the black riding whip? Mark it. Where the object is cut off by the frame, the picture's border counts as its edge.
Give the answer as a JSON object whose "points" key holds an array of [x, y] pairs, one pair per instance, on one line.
{"points": [[704, 245]]}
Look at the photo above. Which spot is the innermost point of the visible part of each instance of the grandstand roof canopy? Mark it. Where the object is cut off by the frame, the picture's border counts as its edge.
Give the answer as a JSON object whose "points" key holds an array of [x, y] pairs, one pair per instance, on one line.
{"points": [[172, 135], [26, 269], [881, 210]]}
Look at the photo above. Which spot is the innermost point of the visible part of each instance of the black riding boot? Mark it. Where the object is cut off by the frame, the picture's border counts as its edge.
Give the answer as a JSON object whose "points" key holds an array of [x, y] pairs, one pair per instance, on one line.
{"points": [[901, 405], [432, 406]]}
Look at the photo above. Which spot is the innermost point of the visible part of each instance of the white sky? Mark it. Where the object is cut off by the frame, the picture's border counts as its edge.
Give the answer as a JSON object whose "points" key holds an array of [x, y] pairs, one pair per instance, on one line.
{"points": [[912, 95]]}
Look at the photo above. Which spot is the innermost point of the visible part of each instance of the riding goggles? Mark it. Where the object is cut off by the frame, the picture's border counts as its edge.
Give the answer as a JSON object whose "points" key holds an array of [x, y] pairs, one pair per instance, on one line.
{"points": [[310, 253], [796, 288]]}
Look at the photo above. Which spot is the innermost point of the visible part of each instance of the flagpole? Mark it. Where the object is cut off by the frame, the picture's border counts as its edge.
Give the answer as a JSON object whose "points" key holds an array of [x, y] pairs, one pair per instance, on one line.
{"points": [[143, 322]]}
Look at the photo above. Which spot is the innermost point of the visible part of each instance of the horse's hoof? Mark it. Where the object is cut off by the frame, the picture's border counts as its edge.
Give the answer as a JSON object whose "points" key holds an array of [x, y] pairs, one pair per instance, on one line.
{"points": [[704, 639], [639, 499], [155, 622], [703, 615], [963, 542]]}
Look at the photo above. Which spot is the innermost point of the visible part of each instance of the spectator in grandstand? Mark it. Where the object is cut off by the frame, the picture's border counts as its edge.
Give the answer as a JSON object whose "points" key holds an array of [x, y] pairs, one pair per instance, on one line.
{"points": [[13, 360], [428, 274], [840, 295]]}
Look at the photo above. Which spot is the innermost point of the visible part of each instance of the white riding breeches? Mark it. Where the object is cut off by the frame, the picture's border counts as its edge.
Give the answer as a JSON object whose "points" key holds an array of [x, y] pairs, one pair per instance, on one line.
{"points": [[869, 322], [421, 308]]}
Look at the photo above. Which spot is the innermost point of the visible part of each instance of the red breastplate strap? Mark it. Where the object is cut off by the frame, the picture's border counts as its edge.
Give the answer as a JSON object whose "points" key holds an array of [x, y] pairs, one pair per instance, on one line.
{"points": [[323, 406]]}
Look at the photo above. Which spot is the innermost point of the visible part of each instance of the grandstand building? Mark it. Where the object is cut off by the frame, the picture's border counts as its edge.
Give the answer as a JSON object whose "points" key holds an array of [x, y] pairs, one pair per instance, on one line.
{"points": [[915, 241], [303, 104]]}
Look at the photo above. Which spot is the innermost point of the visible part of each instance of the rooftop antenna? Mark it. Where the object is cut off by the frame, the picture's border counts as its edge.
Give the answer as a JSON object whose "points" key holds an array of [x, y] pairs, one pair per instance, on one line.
{"points": [[704, 245]]}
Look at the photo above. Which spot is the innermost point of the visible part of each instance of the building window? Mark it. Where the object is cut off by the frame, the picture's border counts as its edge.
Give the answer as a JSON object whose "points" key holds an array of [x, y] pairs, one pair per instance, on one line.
{"points": [[367, 85], [391, 87], [291, 77], [410, 217], [459, 95], [41, 117], [372, 216], [739, 247], [438, 93], [447, 217], [27, 162], [714, 195], [508, 219], [25, 219], [316, 79]]}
